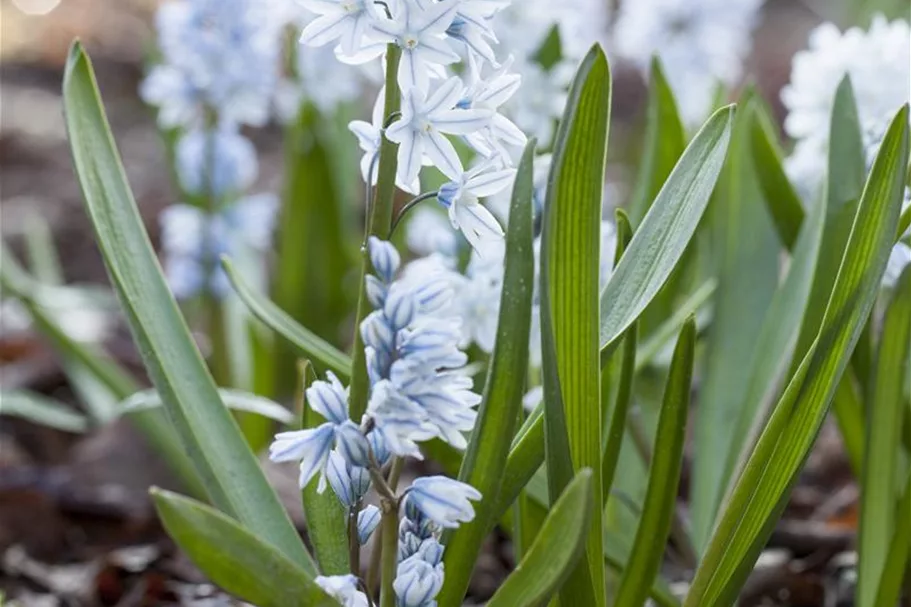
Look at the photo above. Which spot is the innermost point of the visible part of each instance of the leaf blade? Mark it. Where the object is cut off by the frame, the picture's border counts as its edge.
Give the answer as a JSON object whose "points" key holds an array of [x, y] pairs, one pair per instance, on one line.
{"points": [[228, 470]]}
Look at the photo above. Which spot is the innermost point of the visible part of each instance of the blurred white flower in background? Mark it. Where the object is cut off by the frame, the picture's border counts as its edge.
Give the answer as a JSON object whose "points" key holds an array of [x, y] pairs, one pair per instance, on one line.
{"points": [[878, 63], [701, 44]]}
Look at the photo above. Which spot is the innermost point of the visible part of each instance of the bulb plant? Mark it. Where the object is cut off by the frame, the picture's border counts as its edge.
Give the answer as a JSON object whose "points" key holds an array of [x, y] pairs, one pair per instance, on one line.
{"points": [[544, 357]]}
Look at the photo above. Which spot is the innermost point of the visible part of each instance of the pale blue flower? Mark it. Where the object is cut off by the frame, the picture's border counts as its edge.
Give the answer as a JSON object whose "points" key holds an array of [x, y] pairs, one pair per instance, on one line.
{"points": [[472, 26], [420, 130], [367, 521], [384, 258], [418, 29], [344, 20], [369, 138], [491, 93], [344, 589], [313, 446], [461, 198], [443, 500], [350, 483], [215, 162], [417, 582]]}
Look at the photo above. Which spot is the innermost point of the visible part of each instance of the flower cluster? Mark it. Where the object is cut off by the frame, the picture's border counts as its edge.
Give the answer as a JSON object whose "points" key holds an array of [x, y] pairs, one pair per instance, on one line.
{"points": [[877, 63], [418, 391], [436, 104]]}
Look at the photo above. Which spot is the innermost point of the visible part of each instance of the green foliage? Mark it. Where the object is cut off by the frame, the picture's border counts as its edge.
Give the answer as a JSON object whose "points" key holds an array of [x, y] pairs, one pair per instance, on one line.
{"points": [[570, 252], [234, 558], [772, 468], [559, 545], [664, 478], [227, 468], [485, 459], [43, 410]]}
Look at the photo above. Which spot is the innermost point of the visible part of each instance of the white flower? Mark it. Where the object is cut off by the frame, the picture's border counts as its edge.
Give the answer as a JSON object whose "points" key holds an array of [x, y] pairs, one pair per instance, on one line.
{"points": [[344, 20], [460, 197], [350, 483], [417, 582], [399, 420], [419, 132], [876, 61], [313, 446], [491, 93], [700, 43], [370, 138], [443, 500], [472, 26], [343, 588], [419, 30]]}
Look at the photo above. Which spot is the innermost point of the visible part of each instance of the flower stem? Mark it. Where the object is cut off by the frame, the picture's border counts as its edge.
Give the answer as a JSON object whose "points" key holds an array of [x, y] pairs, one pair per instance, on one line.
{"points": [[379, 222], [354, 545], [390, 547]]}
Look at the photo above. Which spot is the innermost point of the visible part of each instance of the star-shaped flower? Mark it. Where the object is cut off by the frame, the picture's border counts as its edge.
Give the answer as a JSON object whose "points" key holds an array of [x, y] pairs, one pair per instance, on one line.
{"points": [[344, 20], [466, 213], [419, 29], [419, 132]]}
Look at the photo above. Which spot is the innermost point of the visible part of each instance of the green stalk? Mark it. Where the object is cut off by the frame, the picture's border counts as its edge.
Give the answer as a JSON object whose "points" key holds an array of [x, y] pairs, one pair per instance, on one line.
{"points": [[379, 223], [390, 547]]}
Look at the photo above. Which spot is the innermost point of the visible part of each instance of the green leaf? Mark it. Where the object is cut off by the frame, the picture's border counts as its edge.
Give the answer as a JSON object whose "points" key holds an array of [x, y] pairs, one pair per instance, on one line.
{"points": [[899, 553], [234, 558], [774, 348], [559, 546], [526, 455], [879, 484], [327, 519], [485, 459], [780, 197], [307, 343], [665, 140], [42, 410], [747, 252], [570, 250], [846, 175], [236, 400], [666, 230], [43, 259], [229, 472], [312, 255], [698, 304], [664, 477], [761, 491], [625, 371]]}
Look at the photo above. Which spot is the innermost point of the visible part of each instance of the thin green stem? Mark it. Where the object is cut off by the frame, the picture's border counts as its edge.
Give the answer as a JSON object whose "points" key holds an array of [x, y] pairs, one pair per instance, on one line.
{"points": [[408, 206], [390, 547], [378, 225], [354, 545]]}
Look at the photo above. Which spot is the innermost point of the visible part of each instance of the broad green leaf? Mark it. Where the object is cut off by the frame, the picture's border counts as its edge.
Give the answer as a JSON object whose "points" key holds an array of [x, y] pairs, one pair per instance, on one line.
{"points": [[665, 140], [666, 230], [761, 491], [775, 345], [664, 477], [328, 522], [227, 468], [311, 255], [559, 546], [570, 250], [234, 558], [236, 400], [845, 183], [780, 197], [747, 252], [879, 484], [42, 410], [485, 458], [897, 560], [307, 343], [904, 222]]}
